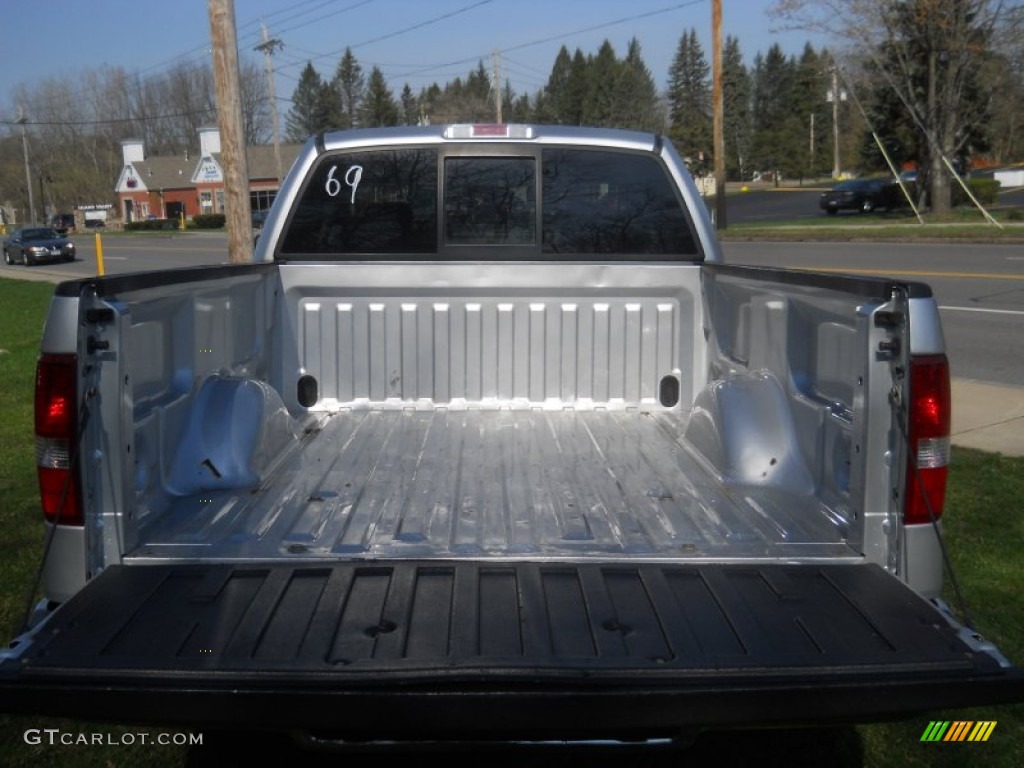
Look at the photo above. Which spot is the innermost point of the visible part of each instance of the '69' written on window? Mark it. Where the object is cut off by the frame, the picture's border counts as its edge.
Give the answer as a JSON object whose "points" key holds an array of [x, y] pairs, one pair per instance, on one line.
{"points": [[381, 202]]}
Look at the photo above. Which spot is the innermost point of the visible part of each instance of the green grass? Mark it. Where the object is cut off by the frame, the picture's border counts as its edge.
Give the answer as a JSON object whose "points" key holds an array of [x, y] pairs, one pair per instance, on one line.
{"points": [[964, 226], [984, 525], [24, 305]]}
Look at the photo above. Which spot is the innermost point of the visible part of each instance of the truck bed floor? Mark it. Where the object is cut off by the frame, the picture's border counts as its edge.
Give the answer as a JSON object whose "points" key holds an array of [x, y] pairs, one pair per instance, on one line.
{"points": [[494, 484]]}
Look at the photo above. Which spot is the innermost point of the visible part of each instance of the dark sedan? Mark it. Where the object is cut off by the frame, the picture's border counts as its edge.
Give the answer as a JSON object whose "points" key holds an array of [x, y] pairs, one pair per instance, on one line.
{"points": [[34, 244], [864, 195]]}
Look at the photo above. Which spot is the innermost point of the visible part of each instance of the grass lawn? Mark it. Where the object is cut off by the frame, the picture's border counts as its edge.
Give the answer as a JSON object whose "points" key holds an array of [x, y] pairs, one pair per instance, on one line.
{"points": [[984, 526]]}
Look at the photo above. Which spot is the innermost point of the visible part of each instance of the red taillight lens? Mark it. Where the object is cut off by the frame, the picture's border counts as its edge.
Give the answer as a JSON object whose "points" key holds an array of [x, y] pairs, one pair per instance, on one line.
{"points": [[929, 428], [57, 438]]}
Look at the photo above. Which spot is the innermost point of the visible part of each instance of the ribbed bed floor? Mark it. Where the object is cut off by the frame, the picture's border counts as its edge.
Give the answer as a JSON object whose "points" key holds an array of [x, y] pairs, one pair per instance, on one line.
{"points": [[494, 484]]}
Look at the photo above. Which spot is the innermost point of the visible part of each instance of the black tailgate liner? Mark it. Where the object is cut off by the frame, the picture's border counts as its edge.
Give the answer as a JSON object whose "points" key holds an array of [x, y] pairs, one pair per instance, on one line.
{"points": [[407, 649]]}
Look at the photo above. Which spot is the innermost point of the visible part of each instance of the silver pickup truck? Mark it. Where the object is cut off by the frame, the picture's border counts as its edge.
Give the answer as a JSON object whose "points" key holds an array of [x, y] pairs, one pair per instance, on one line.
{"points": [[488, 443]]}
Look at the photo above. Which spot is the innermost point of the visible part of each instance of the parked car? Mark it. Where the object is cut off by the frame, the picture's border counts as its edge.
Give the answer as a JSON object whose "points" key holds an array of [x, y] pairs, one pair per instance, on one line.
{"points": [[62, 222], [864, 195], [29, 246]]}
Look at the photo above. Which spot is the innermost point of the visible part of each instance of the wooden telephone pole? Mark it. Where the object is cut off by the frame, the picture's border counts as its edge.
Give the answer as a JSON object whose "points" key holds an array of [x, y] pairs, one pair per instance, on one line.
{"points": [[718, 100], [232, 134]]}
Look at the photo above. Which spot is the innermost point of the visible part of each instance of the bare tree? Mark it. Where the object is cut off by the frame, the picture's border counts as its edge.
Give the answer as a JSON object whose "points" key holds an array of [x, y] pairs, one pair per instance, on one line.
{"points": [[255, 102]]}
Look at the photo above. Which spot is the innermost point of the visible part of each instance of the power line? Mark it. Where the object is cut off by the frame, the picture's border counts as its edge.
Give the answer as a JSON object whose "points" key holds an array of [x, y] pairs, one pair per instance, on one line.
{"points": [[563, 35], [115, 120]]}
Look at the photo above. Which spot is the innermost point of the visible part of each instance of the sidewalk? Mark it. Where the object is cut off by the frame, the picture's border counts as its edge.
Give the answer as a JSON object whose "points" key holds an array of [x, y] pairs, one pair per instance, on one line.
{"points": [[989, 417]]}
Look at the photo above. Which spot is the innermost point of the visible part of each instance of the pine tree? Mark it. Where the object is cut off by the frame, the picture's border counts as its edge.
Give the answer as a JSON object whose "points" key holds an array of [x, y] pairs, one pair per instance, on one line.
{"points": [[378, 107], [602, 76], [636, 96], [811, 109], [350, 85], [772, 108], [556, 92], [315, 107], [410, 107], [689, 101], [572, 108], [736, 107]]}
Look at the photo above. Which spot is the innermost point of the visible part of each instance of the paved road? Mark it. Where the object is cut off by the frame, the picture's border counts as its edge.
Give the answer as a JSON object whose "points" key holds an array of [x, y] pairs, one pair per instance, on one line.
{"points": [[795, 203], [131, 253]]}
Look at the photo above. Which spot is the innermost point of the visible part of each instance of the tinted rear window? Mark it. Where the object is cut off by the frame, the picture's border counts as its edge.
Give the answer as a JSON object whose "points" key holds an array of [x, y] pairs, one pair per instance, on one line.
{"points": [[611, 202], [490, 201], [577, 204], [380, 202]]}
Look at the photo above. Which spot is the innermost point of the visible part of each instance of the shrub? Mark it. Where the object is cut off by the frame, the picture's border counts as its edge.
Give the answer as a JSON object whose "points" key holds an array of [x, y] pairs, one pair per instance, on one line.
{"points": [[985, 190], [150, 224], [208, 221]]}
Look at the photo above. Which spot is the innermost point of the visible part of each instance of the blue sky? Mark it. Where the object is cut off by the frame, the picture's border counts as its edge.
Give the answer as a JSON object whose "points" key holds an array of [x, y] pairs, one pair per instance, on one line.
{"points": [[414, 41]]}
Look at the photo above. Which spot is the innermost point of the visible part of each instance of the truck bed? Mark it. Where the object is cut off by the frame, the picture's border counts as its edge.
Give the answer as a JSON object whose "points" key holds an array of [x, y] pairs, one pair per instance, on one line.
{"points": [[559, 484]]}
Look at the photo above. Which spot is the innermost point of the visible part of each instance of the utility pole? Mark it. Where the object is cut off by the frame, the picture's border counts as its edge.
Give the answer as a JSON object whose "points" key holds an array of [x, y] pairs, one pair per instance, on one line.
{"points": [[835, 95], [267, 47], [232, 134], [28, 174], [811, 143], [497, 86], [718, 101]]}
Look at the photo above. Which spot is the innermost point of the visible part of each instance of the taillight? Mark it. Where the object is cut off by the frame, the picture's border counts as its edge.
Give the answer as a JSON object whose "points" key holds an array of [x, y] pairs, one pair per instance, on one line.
{"points": [[57, 438], [929, 427]]}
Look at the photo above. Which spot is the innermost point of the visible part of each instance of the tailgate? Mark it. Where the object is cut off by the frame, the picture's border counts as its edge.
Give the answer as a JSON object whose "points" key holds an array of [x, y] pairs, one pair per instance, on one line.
{"points": [[409, 649]]}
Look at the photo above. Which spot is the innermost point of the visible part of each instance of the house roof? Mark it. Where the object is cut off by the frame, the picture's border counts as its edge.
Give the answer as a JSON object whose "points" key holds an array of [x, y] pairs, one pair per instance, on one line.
{"points": [[158, 173], [261, 161], [177, 172]]}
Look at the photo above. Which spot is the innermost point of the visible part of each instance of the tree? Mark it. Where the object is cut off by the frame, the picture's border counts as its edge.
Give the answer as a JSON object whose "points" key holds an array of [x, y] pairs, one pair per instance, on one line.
{"points": [[689, 101], [635, 95], [928, 53], [556, 101], [736, 98], [811, 110], [772, 111], [350, 86], [315, 107], [379, 107], [601, 80], [255, 104], [573, 107], [410, 106]]}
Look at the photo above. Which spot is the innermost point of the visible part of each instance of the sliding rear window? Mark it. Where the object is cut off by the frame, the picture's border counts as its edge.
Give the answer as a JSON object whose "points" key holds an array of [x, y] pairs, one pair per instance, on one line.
{"points": [[509, 202]]}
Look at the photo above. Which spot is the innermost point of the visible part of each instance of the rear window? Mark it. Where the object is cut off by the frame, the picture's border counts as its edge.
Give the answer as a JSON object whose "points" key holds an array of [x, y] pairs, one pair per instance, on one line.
{"points": [[611, 202], [490, 201], [380, 202], [518, 202]]}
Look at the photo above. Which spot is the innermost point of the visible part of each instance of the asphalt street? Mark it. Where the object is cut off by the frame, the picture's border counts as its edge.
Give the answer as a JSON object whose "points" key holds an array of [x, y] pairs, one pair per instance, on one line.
{"points": [[771, 204]]}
